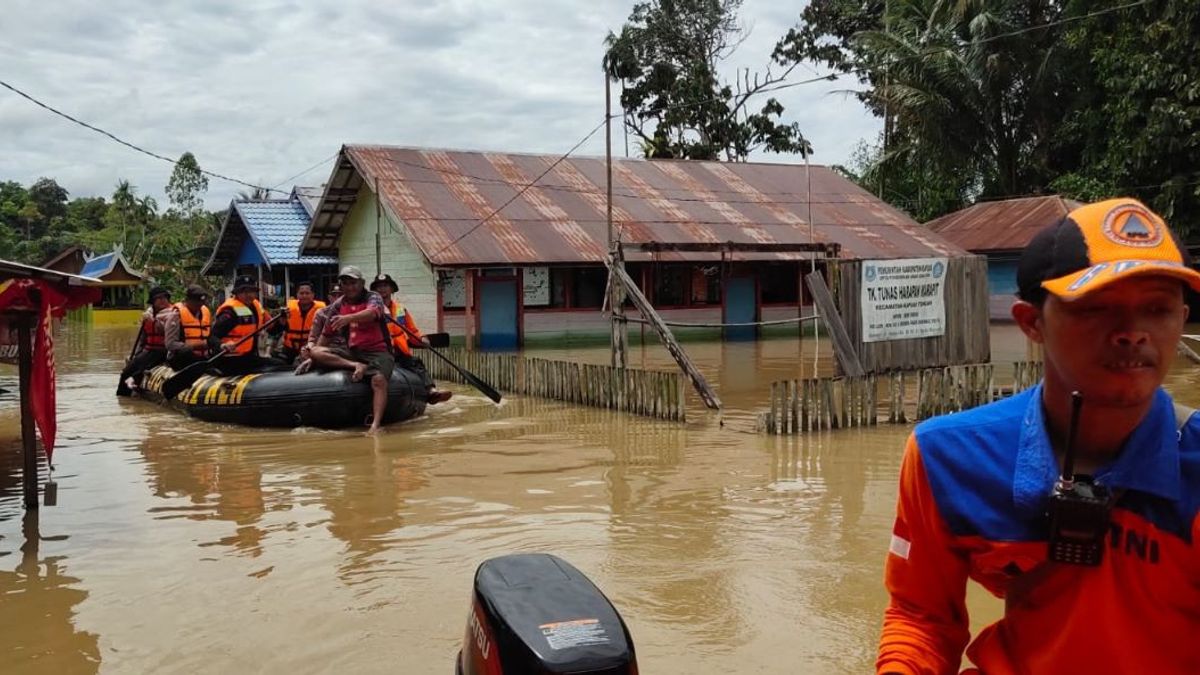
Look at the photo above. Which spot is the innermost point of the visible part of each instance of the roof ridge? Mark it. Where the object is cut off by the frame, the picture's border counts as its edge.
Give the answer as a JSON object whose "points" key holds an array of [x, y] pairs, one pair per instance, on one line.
{"points": [[552, 155]]}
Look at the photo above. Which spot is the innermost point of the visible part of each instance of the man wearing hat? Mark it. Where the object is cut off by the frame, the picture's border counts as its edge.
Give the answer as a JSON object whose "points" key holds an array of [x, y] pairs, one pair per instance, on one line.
{"points": [[359, 315], [1099, 566], [188, 328], [404, 333], [335, 292], [150, 343], [236, 329]]}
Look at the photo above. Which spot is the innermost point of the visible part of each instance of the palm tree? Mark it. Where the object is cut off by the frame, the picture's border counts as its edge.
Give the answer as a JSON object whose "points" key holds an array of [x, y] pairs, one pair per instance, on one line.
{"points": [[966, 91]]}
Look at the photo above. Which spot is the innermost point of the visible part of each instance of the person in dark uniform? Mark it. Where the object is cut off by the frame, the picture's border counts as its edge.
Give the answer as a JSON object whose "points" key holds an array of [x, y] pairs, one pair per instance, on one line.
{"points": [[152, 337], [240, 316], [188, 329]]}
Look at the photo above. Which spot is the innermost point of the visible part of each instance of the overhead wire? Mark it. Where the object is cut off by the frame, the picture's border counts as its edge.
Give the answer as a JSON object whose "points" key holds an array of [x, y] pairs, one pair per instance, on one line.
{"points": [[125, 143], [285, 181], [522, 191]]}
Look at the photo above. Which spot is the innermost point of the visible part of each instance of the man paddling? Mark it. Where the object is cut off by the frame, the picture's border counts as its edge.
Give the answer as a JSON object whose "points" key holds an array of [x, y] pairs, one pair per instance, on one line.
{"points": [[152, 339], [360, 312], [239, 317], [404, 334]]}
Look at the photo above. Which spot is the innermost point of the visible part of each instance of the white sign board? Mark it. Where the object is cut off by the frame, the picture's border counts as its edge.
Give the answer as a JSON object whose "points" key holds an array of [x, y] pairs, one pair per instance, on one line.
{"points": [[537, 286], [454, 288], [903, 299]]}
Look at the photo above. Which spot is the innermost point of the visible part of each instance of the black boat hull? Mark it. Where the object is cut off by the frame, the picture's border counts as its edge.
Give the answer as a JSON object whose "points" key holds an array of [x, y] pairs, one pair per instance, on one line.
{"points": [[327, 400]]}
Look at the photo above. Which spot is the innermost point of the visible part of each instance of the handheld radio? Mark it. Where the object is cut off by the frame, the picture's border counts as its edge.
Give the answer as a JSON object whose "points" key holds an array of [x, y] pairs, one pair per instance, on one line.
{"points": [[1079, 508]]}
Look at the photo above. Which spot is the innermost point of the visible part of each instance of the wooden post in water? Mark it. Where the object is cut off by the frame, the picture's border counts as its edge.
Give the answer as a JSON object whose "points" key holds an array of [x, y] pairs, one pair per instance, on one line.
{"points": [[28, 437]]}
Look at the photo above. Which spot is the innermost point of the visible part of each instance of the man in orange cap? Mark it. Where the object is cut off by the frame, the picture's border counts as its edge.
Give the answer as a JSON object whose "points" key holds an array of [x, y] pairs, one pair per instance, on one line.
{"points": [[1100, 570]]}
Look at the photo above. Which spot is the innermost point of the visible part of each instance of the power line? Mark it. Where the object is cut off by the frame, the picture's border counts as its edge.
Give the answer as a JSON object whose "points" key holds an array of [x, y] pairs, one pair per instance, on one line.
{"points": [[285, 181], [512, 199], [993, 38], [123, 142]]}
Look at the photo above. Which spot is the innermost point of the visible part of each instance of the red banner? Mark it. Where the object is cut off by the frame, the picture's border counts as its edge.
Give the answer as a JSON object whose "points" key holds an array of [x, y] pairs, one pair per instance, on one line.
{"points": [[47, 302]]}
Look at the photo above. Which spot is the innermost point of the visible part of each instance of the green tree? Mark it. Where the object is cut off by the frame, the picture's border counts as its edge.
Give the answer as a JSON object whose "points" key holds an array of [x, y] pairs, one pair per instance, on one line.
{"points": [[667, 58], [972, 93], [50, 198], [908, 180], [1136, 123], [186, 188]]}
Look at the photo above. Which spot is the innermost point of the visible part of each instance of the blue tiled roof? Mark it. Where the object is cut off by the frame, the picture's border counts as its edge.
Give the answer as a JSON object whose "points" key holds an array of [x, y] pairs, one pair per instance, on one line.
{"points": [[104, 264], [277, 228], [98, 266]]}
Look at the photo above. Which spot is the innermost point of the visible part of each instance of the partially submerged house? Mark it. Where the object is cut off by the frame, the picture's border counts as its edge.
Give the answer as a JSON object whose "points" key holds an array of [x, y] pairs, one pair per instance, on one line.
{"points": [[262, 237], [999, 230], [475, 253]]}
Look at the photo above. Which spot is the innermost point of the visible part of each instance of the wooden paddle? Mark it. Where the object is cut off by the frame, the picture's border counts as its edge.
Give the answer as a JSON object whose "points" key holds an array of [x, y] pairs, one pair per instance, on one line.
{"points": [[188, 376], [487, 389]]}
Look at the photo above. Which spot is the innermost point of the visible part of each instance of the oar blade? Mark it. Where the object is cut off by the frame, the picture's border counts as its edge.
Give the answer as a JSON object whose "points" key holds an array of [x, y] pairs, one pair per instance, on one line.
{"points": [[482, 386]]}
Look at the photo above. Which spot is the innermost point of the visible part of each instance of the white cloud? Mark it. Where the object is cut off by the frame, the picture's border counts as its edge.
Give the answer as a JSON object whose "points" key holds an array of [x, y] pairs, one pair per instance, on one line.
{"points": [[262, 90]]}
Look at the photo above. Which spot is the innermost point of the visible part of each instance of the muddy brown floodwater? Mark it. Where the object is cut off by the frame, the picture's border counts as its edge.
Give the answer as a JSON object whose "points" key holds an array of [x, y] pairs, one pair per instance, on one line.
{"points": [[180, 546]]}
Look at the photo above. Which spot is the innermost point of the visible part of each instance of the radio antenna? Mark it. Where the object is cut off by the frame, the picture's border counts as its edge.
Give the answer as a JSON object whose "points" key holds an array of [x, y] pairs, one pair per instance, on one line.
{"points": [[1068, 470]]}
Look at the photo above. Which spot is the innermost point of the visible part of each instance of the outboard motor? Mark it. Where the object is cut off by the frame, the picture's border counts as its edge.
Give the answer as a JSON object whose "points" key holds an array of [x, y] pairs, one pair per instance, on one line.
{"points": [[535, 614]]}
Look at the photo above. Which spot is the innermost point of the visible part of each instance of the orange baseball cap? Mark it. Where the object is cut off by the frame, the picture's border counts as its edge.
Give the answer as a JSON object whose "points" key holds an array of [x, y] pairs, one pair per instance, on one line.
{"points": [[1097, 244]]}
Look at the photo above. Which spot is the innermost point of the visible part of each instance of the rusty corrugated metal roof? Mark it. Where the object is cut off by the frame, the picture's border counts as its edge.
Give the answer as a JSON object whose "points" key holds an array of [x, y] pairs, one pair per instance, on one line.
{"points": [[1006, 225], [442, 195]]}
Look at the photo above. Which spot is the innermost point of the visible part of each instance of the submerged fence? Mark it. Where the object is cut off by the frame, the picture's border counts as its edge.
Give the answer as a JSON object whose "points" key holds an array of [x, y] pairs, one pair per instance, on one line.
{"points": [[799, 406], [649, 393]]}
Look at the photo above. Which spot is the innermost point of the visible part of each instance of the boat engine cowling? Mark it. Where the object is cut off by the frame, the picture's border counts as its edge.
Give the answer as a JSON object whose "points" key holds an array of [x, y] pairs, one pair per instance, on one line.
{"points": [[534, 613]]}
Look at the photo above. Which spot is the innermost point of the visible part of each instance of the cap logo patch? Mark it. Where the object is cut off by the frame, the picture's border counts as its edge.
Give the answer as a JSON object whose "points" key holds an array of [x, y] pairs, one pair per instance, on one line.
{"points": [[1131, 225]]}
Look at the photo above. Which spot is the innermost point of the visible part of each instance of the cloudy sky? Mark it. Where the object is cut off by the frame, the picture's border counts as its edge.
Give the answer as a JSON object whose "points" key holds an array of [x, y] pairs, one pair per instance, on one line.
{"points": [[265, 90]]}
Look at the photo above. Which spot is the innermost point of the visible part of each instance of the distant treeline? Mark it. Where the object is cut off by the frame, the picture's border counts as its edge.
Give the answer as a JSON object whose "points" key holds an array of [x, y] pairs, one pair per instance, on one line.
{"points": [[172, 244]]}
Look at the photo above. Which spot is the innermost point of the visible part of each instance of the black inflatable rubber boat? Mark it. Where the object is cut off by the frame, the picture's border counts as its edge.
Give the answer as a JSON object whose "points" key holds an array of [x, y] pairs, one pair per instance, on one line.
{"points": [[327, 400]]}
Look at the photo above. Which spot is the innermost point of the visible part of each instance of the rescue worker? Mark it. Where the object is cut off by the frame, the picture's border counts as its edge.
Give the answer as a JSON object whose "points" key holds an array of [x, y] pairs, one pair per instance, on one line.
{"points": [[403, 340], [335, 292], [295, 328], [1102, 291], [188, 329], [360, 312], [240, 316], [150, 344]]}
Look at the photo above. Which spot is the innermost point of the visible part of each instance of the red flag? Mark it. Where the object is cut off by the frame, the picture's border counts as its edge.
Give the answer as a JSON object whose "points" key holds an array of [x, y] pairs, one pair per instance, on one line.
{"points": [[47, 302], [41, 384]]}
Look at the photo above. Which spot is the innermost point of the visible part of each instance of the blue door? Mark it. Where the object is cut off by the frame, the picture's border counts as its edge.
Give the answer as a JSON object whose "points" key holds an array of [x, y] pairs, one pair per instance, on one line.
{"points": [[498, 314], [741, 306]]}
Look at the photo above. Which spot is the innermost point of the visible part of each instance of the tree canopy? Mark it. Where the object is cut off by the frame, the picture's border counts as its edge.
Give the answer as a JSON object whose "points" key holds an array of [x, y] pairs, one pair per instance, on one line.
{"points": [[667, 57], [38, 221], [988, 99]]}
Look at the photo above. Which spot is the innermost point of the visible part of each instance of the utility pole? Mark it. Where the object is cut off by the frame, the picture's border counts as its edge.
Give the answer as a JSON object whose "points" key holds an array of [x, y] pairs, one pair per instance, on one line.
{"points": [[378, 232], [619, 332]]}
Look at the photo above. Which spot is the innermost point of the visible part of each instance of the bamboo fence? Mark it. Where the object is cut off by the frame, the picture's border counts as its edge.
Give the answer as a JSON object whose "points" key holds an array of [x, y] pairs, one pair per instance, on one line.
{"points": [[798, 406], [649, 393]]}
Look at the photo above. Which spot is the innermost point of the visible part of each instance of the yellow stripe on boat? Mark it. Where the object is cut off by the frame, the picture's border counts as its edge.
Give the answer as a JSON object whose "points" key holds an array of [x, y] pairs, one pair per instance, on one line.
{"points": [[240, 391]]}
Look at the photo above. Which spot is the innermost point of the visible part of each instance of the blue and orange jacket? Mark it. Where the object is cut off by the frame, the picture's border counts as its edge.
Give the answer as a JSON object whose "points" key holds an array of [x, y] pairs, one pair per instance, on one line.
{"points": [[973, 495]]}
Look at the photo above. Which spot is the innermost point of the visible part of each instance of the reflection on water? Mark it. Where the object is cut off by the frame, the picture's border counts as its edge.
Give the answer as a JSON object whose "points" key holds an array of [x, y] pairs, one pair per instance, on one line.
{"points": [[37, 606], [181, 546]]}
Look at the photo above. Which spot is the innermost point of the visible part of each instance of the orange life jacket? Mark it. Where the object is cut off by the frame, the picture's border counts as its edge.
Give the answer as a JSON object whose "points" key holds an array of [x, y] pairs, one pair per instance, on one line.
{"points": [[399, 337], [299, 325], [195, 328], [153, 337], [248, 322]]}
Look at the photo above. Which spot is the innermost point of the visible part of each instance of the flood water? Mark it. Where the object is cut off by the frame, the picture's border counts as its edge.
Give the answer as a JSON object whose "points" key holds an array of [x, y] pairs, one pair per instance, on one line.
{"points": [[180, 546]]}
